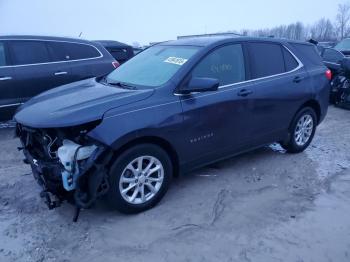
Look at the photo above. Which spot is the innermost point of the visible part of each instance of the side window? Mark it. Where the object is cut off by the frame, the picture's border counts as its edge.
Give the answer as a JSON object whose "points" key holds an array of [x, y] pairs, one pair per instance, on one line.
{"points": [[58, 51], [225, 64], [333, 56], [64, 51], [81, 51], [266, 59], [2, 54], [289, 60], [29, 52]]}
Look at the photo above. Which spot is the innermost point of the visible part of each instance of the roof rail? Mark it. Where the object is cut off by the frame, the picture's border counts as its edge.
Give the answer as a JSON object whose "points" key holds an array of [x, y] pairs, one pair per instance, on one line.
{"points": [[209, 35]]}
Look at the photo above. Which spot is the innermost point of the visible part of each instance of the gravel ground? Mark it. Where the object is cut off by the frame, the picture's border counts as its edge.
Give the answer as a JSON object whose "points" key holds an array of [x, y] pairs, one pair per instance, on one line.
{"points": [[261, 206]]}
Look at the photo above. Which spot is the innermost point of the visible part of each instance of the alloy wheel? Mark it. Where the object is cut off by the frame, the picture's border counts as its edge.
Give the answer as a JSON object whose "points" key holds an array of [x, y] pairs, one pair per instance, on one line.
{"points": [[141, 180], [303, 130]]}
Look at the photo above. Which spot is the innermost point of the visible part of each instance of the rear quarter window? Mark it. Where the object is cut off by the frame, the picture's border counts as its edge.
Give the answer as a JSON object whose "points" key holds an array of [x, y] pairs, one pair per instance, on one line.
{"points": [[266, 59], [289, 60], [308, 54], [81, 51]]}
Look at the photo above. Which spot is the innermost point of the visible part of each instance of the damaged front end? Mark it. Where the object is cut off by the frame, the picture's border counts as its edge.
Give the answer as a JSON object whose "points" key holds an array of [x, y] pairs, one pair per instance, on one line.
{"points": [[67, 164]]}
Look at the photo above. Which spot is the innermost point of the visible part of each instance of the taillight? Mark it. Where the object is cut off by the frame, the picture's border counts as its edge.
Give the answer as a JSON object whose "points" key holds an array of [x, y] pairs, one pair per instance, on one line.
{"points": [[115, 64], [329, 74]]}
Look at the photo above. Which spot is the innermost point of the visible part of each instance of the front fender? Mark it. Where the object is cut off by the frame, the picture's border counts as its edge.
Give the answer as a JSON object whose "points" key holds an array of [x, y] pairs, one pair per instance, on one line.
{"points": [[163, 120]]}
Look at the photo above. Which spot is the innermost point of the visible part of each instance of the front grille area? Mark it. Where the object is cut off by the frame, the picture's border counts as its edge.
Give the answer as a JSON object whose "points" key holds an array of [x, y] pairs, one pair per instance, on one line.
{"points": [[40, 143], [46, 168]]}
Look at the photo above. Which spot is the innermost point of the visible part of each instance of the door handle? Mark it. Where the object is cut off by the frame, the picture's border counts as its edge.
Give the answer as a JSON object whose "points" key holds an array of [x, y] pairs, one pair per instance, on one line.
{"points": [[298, 79], [5, 78], [245, 92], [60, 73]]}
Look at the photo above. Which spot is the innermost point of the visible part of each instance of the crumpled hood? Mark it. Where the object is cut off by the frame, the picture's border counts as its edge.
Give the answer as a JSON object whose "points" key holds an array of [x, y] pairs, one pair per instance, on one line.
{"points": [[74, 104]]}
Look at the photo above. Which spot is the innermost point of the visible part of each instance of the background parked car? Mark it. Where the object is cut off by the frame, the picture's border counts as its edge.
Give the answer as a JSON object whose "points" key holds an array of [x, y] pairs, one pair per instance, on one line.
{"points": [[344, 46], [30, 65], [120, 51], [137, 50], [327, 44], [332, 59], [322, 45]]}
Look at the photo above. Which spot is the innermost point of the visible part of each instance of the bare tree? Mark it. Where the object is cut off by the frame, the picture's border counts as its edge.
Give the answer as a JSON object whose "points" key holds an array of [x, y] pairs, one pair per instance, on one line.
{"points": [[299, 31], [342, 19], [323, 30]]}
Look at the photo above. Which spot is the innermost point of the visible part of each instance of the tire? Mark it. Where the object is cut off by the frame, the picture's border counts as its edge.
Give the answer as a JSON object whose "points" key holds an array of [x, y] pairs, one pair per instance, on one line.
{"points": [[126, 169], [295, 144]]}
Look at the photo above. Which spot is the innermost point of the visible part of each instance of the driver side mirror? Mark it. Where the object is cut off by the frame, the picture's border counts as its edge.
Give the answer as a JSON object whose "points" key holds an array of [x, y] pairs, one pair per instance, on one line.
{"points": [[200, 84]]}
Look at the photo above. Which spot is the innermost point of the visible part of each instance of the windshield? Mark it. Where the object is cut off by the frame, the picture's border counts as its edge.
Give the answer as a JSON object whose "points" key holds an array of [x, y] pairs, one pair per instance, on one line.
{"points": [[152, 67], [343, 45]]}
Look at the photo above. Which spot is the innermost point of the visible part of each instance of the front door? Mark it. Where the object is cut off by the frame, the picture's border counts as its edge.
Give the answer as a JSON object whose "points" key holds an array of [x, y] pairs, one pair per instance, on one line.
{"points": [[216, 123]]}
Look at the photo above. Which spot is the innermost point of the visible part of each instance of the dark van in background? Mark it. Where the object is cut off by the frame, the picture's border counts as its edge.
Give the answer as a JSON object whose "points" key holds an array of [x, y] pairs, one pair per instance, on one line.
{"points": [[120, 51], [30, 65]]}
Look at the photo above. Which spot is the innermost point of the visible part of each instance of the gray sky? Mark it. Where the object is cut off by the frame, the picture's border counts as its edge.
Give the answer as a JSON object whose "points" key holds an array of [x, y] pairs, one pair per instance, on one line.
{"points": [[154, 20]]}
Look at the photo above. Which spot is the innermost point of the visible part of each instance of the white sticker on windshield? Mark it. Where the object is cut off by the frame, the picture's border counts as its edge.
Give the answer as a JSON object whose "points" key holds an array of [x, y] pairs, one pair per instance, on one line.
{"points": [[175, 60]]}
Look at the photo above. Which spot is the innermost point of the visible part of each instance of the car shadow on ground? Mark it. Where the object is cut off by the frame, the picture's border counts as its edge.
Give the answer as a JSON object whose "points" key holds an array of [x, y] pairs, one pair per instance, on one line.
{"points": [[242, 173]]}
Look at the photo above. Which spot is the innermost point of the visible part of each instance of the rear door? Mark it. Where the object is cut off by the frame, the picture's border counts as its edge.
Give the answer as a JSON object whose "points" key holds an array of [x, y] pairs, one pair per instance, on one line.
{"points": [[8, 98], [34, 68], [280, 82]]}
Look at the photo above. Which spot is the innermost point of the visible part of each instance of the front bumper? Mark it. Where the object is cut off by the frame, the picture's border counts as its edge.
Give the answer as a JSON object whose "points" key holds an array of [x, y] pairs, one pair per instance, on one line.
{"points": [[90, 173], [48, 176]]}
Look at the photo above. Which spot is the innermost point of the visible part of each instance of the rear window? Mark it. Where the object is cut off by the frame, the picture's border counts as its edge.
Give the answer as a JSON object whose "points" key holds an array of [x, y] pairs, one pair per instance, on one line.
{"points": [[309, 54], [266, 59], [2, 55], [29, 52], [63, 51]]}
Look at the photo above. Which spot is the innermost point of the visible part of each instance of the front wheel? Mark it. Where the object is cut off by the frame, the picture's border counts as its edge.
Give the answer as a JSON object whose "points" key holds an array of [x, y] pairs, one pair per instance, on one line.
{"points": [[139, 178], [302, 131]]}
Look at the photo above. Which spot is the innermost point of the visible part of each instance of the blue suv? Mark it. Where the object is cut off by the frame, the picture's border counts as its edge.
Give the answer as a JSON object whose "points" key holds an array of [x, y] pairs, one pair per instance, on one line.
{"points": [[174, 107]]}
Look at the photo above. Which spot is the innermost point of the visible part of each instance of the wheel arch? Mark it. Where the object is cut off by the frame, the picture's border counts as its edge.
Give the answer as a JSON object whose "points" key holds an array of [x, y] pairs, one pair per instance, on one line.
{"points": [[314, 105], [161, 142]]}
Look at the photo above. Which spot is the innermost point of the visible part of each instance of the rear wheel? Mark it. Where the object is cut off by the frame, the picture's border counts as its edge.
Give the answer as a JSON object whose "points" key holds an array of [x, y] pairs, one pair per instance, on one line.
{"points": [[139, 178], [302, 131]]}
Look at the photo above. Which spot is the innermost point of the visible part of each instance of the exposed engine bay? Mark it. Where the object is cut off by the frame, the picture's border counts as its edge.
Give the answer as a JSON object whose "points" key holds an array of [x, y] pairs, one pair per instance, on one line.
{"points": [[67, 164]]}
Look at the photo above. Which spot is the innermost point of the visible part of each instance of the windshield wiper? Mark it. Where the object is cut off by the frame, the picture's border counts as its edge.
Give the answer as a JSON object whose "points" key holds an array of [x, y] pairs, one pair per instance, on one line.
{"points": [[119, 84]]}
